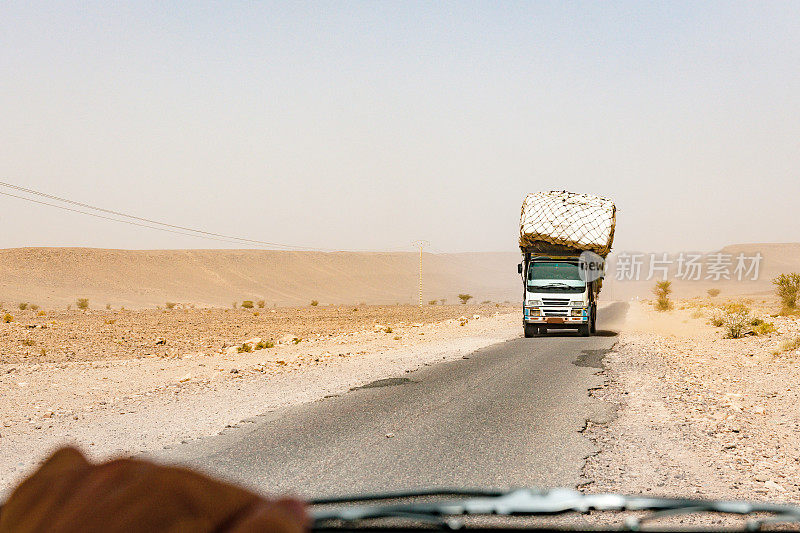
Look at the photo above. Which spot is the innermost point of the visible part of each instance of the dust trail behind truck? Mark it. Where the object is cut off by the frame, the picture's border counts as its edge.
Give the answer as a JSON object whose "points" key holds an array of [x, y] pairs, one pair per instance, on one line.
{"points": [[564, 238]]}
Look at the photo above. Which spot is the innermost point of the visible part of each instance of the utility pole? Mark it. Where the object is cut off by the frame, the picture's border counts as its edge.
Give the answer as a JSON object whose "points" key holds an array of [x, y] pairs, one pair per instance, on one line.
{"points": [[420, 244]]}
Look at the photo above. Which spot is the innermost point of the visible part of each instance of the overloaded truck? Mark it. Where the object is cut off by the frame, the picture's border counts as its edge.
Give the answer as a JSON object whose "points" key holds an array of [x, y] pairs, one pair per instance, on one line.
{"points": [[564, 238]]}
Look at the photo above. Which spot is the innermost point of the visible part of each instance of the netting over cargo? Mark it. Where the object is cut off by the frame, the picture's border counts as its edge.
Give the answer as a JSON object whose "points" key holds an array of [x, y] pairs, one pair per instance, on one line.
{"points": [[568, 219]]}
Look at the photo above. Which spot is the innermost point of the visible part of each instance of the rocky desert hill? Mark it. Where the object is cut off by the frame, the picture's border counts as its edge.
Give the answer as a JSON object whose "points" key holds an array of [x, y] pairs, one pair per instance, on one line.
{"points": [[146, 278]]}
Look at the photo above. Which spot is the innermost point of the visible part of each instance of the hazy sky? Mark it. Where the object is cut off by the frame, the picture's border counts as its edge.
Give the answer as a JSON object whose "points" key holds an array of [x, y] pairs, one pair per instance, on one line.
{"points": [[371, 124]]}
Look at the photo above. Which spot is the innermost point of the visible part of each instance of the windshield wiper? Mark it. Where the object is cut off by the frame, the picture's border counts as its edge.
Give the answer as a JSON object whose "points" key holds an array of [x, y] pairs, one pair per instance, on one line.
{"points": [[531, 502]]}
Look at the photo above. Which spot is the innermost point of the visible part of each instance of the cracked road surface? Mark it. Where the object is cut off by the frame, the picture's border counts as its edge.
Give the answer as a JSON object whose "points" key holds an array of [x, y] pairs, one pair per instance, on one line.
{"points": [[507, 415]]}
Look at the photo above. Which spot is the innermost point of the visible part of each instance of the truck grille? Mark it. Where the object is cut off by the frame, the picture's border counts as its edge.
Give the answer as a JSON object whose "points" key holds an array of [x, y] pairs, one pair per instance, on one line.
{"points": [[555, 301], [555, 312]]}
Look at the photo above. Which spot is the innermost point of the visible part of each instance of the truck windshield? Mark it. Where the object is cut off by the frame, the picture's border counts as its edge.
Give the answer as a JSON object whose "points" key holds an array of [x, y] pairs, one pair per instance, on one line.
{"points": [[555, 276]]}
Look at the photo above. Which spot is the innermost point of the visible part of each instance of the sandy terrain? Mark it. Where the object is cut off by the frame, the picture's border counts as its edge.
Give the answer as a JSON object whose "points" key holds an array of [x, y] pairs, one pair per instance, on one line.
{"points": [[699, 414], [56, 277], [114, 397]]}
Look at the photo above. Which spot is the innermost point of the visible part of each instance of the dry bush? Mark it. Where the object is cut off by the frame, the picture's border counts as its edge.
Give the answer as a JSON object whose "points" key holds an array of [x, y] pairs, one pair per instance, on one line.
{"points": [[41, 313], [662, 291], [764, 328], [314, 303], [713, 292], [736, 320], [82, 303], [235, 305], [28, 342], [108, 306], [464, 298], [8, 318], [787, 287], [247, 304], [431, 302], [33, 307], [23, 306], [264, 344], [788, 345], [261, 304], [244, 348], [170, 305]]}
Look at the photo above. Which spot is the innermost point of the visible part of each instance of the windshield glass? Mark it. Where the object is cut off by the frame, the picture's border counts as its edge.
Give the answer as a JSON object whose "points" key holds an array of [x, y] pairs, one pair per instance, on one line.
{"points": [[555, 276], [323, 248]]}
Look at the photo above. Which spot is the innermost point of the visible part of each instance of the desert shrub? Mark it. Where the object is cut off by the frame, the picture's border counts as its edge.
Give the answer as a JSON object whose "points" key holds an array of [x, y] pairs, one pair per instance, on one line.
{"points": [[764, 328], [388, 329], [170, 305], [787, 287], [431, 302], [789, 311], [247, 304], [717, 320], [314, 303], [788, 345], [261, 304], [82, 303], [464, 298], [485, 302], [28, 342], [8, 318], [264, 344], [108, 306], [736, 320], [41, 313], [244, 348], [23, 306], [33, 307], [111, 321], [756, 322], [713, 292], [235, 305], [662, 291]]}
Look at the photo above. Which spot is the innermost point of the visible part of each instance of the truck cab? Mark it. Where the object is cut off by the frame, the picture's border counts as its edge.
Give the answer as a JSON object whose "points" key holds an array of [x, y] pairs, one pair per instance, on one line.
{"points": [[556, 295]]}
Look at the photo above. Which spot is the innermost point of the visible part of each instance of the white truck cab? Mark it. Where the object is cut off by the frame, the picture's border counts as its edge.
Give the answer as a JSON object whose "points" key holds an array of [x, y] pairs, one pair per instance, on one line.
{"points": [[556, 295]]}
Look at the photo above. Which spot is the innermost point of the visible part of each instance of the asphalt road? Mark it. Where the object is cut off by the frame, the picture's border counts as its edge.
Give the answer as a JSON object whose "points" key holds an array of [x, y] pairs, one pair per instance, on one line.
{"points": [[507, 415]]}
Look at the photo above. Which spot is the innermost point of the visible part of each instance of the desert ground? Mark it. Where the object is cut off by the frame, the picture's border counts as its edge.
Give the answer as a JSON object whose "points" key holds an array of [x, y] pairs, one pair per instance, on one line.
{"points": [[695, 412], [121, 382]]}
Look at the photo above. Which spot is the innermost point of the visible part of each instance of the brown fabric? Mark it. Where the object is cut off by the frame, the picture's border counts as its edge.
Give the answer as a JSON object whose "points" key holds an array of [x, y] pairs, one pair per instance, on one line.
{"points": [[68, 494]]}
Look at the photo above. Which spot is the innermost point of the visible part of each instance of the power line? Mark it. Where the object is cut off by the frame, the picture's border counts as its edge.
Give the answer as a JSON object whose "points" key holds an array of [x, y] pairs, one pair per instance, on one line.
{"points": [[217, 236], [110, 218], [158, 225]]}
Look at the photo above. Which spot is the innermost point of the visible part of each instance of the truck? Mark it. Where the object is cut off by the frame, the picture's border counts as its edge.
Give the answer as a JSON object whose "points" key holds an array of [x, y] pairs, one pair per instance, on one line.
{"points": [[564, 239]]}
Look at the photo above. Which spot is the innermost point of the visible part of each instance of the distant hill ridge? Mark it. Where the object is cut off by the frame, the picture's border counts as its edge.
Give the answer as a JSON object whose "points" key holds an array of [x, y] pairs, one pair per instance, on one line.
{"points": [[146, 278]]}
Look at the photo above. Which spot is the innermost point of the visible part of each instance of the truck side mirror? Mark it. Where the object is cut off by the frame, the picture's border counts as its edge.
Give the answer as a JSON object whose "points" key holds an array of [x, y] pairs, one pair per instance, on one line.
{"points": [[519, 268]]}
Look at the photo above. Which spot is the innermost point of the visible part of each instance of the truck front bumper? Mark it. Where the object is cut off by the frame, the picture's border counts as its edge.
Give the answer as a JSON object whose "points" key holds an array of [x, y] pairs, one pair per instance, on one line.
{"points": [[554, 318]]}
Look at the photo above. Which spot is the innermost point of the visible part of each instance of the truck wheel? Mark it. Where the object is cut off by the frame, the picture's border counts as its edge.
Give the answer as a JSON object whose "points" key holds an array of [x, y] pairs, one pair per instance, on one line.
{"points": [[583, 330], [530, 331], [542, 331], [593, 321]]}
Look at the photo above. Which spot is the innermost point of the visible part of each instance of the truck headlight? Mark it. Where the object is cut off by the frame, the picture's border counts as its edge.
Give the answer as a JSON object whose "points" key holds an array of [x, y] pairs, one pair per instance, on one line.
{"points": [[534, 311], [577, 311], [535, 303]]}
